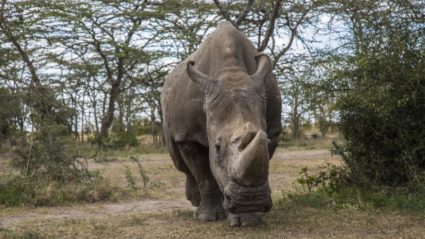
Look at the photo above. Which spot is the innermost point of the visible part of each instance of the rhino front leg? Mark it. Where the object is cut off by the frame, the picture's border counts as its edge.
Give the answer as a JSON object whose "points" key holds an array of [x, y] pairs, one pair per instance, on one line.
{"points": [[196, 158], [192, 190]]}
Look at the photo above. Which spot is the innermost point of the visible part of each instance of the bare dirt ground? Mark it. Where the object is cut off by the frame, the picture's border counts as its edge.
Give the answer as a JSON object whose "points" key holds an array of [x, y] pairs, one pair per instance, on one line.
{"points": [[93, 211], [165, 213]]}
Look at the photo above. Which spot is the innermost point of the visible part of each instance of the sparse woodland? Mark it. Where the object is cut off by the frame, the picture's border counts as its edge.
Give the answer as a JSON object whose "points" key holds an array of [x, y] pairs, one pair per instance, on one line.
{"points": [[81, 81]]}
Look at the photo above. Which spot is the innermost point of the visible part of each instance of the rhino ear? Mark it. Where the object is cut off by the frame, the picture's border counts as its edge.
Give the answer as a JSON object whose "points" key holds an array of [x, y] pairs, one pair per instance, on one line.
{"points": [[198, 77], [264, 67]]}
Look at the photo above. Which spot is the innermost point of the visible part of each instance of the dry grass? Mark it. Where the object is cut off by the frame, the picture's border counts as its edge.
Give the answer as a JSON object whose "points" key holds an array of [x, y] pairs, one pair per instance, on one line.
{"points": [[158, 218], [308, 142], [287, 222]]}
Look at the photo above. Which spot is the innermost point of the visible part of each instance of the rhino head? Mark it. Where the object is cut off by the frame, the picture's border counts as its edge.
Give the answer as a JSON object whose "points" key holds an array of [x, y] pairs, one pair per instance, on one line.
{"points": [[235, 109]]}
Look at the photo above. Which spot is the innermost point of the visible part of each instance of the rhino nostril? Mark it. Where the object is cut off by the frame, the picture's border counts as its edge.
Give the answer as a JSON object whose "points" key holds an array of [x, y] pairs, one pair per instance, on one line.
{"points": [[246, 140]]}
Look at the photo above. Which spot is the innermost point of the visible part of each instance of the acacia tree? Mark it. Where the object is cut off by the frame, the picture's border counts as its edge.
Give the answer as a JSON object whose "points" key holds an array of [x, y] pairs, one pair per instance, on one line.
{"points": [[24, 36], [110, 40], [264, 21], [293, 95], [183, 26], [21, 32]]}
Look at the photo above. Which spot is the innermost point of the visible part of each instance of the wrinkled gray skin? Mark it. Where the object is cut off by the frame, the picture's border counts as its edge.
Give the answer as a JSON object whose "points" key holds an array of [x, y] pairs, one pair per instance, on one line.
{"points": [[222, 116]]}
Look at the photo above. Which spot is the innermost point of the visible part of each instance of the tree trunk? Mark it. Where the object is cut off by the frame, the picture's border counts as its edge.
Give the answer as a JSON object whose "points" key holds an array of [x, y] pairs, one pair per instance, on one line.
{"points": [[295, 117], [82, 118], [153, 127], [109, 115]]}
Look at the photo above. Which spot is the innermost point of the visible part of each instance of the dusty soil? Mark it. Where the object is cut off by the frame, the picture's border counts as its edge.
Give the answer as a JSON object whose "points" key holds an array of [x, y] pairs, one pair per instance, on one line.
{"points": [[14, 218]]}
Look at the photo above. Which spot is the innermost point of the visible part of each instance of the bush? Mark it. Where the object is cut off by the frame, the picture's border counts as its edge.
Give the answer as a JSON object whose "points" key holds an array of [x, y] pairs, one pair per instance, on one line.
{"points": [[52, 171], [51, 153], [385, 132], [382, 118], [331, 178], [332, 187], [117, 140], [124, 138]]}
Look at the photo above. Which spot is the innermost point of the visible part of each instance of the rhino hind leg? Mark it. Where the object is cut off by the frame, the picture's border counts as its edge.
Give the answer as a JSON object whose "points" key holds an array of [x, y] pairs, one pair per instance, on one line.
{"points": [[196, 158]]}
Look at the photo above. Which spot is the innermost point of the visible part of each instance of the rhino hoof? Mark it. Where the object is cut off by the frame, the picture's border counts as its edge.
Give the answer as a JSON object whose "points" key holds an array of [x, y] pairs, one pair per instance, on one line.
{"points": [[251, 221], [234, 221], [210, 216], [244, 219]]}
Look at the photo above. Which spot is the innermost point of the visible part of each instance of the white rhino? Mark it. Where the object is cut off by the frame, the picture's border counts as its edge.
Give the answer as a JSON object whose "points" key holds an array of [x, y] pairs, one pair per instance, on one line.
{"points": [[221, 121]]}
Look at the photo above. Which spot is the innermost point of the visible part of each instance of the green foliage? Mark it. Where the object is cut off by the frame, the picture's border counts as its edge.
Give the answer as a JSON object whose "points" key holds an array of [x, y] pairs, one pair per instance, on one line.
{"points": [[382, 116], [52, 154], [144, 126], [95, 139], [124, 138], [10, 113], [142, 172], [324, 125], [383, 122], [358, 198], [317, 199], [13, 192], [331, 187], [117, 140], [331, 178], [131, 181]]}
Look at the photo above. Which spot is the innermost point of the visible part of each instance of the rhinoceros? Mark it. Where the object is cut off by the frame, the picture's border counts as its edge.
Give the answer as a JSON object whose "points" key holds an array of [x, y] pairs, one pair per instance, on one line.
{"points": [[221, 121]]}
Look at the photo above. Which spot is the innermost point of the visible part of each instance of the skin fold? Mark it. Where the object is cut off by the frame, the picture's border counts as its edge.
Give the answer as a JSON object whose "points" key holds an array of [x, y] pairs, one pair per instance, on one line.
{"points": [[221, 120]]}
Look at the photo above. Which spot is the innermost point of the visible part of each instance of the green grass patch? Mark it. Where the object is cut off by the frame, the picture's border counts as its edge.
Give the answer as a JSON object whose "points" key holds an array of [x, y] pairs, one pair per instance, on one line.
{"points": [[356, 198], [332, 186]]}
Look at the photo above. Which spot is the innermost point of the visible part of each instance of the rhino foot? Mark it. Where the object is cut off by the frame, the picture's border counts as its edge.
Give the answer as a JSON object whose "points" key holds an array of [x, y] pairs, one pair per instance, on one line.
{"points": [[210, 216], [244, 219]]}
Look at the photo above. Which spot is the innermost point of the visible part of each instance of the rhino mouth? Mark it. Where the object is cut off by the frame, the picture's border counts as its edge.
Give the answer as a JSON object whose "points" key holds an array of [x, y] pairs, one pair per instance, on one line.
{"points": [[240, 199]]}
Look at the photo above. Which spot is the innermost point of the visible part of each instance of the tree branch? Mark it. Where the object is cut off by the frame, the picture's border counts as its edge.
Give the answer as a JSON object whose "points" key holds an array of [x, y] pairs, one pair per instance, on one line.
{"points": [[9, 35], [294, 30], [223, 12], [270, 28], [244, 13]]}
